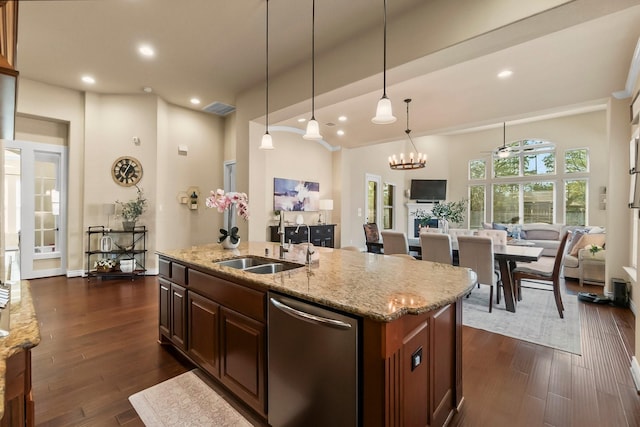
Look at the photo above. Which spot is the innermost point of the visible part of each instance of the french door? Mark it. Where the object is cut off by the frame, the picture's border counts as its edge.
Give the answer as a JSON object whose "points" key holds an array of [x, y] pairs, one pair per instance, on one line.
{"points": [[35, 207], [373, 202]]}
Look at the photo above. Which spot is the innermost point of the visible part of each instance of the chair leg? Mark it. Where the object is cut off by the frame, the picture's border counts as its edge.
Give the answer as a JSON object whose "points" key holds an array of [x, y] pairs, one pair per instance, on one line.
{"points": [[558, 297], [498, 291], [490, 299]]}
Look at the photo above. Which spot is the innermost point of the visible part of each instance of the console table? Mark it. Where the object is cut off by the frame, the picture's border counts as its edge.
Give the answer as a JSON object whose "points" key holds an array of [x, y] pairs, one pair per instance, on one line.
{"points": [[321, 234]]}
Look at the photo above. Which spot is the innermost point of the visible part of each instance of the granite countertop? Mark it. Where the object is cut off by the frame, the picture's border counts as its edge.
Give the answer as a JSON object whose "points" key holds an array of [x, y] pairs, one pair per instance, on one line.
{"points": [[24, 331], [379, 287]]}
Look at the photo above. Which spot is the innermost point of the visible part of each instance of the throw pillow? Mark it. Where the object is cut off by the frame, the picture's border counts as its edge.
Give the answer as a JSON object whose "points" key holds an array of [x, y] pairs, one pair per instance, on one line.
{"points": [[596, 230], [497, 226], [587, 240], [575, 238]]}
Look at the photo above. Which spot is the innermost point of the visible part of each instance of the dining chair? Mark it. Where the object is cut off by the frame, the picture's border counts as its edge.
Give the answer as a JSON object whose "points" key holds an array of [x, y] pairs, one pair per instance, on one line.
{"points": [[499, 237], [372, 235], [476, 253], [436, 247], [394, 242], [530, 272], [432, 230]]}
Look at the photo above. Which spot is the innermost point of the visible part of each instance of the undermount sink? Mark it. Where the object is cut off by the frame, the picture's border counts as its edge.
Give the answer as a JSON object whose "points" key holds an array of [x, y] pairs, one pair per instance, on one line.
{"points": [[258, 265], [243, 263]]}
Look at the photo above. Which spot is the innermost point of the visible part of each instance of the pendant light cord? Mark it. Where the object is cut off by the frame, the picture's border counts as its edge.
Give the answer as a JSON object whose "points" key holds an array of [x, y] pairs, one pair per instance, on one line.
{"points": [[384, 55], [408, 131], [313, 60], [267, 70]]}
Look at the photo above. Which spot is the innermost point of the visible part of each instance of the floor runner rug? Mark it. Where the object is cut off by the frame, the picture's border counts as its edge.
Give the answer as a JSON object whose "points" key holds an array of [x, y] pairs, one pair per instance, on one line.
{"points": [[184, 400], [536, 318]]}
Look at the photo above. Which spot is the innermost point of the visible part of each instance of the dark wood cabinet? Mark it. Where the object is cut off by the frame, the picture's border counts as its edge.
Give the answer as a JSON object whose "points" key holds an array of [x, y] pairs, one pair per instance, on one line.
{"points": [[321, 235], [18, 397], [203, 330], [164, 319], [172, 318], [242, 357], [178, 317], [219, 325]]}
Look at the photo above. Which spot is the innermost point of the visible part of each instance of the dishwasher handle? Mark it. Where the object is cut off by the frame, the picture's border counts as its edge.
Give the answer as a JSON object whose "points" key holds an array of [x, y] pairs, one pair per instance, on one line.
{"points": [[308, 317]]}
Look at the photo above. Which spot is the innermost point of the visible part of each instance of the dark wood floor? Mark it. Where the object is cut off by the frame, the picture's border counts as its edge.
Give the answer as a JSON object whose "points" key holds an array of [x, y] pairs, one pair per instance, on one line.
{"points": [[99, 346]]}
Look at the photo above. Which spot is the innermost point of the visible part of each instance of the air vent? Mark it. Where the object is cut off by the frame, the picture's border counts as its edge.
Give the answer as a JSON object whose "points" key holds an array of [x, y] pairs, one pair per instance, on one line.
{"points": [[219, 108]]}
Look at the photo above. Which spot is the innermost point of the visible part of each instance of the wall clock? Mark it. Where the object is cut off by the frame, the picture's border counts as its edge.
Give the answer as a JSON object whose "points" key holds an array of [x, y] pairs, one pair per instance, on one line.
{"points": [[126, 171]]}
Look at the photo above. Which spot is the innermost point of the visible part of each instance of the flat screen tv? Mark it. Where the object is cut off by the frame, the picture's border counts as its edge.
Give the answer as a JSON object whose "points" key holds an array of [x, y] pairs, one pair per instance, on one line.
{"points": [[428, 190]]}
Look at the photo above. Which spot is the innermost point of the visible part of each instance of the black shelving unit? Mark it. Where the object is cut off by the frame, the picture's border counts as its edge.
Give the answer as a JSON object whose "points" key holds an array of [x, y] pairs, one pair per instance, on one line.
{"points": [[127, 244]]}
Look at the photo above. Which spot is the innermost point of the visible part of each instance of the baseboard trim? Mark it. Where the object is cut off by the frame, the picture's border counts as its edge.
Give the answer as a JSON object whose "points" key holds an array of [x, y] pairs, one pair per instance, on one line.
{"points": [[635, 372]]}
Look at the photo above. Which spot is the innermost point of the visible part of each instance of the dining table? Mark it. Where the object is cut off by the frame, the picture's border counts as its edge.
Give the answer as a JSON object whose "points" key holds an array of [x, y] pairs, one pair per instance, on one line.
{"points": [[507, 256]]}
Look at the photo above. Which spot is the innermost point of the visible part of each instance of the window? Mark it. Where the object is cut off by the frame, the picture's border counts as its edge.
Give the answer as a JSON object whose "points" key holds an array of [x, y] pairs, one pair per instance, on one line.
{"points": [[575, 201], [524, 184], [576, 161], [538, 203], [388, 192], [476, 206], [477, 169], [506, 202]]}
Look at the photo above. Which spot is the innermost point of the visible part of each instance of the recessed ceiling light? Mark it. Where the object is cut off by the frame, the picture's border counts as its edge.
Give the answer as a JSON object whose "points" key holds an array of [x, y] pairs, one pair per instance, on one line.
{"points": [[505, 73], [302, 120], [195, 101], [147, 89], [340, 132], [342, 118], [146, 50], [88, 79]]}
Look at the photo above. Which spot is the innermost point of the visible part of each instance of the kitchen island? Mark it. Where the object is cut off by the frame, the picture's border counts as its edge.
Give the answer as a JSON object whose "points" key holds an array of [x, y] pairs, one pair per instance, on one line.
{"points": [[16, 404], [409, 315]]}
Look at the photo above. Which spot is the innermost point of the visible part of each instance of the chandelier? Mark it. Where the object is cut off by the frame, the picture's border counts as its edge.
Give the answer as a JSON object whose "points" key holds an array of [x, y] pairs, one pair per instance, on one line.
{"points": [[411, 162]]}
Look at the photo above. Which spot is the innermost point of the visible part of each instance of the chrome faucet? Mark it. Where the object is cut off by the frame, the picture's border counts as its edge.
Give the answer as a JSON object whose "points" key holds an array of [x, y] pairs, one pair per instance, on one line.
{"points": [[283, 248], [309, 252]]}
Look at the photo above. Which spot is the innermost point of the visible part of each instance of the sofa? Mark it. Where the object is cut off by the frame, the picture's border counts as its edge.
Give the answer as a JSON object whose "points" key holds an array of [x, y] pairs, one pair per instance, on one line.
{"points": [[546, 236], [580, 262]]}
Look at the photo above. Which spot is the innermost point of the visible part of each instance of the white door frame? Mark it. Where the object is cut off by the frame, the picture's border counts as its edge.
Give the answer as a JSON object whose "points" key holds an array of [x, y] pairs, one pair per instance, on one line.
{"points": [[29, 151]]}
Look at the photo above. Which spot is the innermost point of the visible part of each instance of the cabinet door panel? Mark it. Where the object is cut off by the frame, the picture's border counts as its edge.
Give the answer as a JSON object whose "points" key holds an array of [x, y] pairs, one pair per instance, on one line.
{"points": [[443, 367], [178, 315], [165, 307], [203, 333], [243, 357]]}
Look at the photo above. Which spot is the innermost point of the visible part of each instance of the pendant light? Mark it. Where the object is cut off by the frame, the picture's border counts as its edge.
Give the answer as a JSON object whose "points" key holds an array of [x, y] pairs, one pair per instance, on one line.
{"points": [[503, 152], [267, 142], [384, 113], [411, 162], [313, 129]]}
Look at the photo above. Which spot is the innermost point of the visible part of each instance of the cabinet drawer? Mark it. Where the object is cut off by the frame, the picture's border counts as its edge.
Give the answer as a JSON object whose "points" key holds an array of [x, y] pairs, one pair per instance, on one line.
{"points": [[237, 297], [178, 274], [164, 268]]}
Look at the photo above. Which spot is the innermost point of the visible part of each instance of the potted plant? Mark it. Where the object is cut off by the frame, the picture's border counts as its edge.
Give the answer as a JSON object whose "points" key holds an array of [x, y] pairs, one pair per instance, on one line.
{"points": [[131, 210], [228, 202], [445, 213]]}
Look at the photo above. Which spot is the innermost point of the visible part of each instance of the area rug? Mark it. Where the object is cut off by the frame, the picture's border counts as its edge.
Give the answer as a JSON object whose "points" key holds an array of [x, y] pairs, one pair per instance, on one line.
{"points": [[184, 400], [536, 318]]}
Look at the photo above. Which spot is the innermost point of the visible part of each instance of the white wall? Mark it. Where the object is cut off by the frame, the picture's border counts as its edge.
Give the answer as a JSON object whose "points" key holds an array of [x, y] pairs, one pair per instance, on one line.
{"points": [[101, 129], [55, 103], [293, 158]]}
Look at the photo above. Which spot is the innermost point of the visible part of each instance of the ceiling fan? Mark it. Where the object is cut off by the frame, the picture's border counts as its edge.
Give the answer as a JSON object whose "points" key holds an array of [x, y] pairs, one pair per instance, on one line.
{"points": [[503, 151]]}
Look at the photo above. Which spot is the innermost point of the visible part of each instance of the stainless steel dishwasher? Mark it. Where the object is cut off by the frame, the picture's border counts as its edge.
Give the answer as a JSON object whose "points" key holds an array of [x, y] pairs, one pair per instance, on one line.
{"points": [[313, 365]]}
